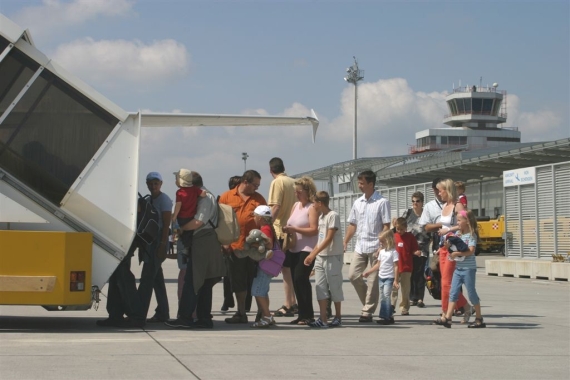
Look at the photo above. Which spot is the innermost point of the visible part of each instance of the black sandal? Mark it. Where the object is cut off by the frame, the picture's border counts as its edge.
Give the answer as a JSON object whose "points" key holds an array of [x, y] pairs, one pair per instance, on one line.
{"points": [[478, 324], [284, 311], [443, 321]]}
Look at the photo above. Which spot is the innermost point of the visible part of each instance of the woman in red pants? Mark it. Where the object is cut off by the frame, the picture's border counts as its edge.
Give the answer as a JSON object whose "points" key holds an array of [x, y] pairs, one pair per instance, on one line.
{"points": [[448, 221]]}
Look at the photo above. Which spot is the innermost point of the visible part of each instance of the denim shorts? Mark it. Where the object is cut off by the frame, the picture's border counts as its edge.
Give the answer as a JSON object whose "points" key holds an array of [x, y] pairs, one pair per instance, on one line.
{"points": [[260, 285]]}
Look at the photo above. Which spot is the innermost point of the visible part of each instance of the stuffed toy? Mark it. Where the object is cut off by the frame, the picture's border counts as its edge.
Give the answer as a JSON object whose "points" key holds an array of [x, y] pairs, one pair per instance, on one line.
{"points": [[257, 246], [456, 244]]}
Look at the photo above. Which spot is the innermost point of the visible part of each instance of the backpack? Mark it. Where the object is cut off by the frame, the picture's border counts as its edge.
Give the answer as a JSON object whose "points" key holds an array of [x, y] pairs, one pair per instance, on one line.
{"points": [[227, 228], [273, 266], [147, 221], [433, 282]]}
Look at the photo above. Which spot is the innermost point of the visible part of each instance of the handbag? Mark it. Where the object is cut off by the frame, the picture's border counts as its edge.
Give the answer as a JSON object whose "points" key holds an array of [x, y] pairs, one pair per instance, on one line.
{"points": [[434, 262], [289, 241], [272, 266]]}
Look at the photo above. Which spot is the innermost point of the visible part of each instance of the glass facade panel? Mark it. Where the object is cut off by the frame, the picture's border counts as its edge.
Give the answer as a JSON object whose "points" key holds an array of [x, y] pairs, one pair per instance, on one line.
{"points": [[3, 43], [460, 107], [467, 104], [54, 132], [16, 69], [477, 106], [487, 106], [496, 107], [444, 140]]}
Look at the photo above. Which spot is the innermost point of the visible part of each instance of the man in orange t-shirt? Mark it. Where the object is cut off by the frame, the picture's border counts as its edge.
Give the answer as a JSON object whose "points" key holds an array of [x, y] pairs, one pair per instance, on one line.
{"points": [[244, 199]]}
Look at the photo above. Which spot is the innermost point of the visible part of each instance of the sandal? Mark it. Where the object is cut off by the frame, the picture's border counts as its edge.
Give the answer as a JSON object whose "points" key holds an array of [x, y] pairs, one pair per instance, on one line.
{"points": [[478, 324], [284, 311], [294, 309], [443, 321], [467, 314], [305, 322], [421, 304]]}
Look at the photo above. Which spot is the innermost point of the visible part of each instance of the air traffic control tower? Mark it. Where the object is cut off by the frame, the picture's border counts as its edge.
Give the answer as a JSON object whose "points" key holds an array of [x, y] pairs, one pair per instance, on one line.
{"points": [[475, 117]]}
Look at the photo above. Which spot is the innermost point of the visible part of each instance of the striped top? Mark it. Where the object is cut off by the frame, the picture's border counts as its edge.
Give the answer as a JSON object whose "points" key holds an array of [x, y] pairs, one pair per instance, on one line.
{"points": [[469, 262], [369, 216]]}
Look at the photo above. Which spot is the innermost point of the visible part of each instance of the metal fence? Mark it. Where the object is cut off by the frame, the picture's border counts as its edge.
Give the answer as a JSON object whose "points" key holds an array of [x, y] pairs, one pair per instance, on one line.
{"points": [[537, 218]]}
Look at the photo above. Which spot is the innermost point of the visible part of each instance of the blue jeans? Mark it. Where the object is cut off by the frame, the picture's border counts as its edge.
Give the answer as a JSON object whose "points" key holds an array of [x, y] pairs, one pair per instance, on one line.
{"points": [[463, 276], [385, 288], [152, 278]]}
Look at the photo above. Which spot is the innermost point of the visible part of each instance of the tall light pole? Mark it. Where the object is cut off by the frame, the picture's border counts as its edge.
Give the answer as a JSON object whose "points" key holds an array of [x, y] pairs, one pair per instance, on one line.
{"points": [[354, 75], [244, 157]]}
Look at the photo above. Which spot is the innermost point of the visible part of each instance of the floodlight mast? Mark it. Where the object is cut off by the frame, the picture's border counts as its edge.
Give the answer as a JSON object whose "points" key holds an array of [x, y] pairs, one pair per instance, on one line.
{"points": [[354, 75]]}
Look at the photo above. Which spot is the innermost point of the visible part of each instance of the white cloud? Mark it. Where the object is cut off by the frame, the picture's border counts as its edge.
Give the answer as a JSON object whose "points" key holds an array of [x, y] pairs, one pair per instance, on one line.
{"points": [[540, 125], [54, 16], [390, 113], [107, 63]]}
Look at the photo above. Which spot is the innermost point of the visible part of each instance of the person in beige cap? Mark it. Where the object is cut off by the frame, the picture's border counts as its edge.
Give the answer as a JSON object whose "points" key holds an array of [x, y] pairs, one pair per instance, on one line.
{"points": [[185, 206]]}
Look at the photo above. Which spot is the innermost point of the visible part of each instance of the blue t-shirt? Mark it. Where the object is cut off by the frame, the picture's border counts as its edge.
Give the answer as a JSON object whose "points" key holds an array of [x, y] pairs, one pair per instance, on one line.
{"points": [[162, 203], [471, 241]]}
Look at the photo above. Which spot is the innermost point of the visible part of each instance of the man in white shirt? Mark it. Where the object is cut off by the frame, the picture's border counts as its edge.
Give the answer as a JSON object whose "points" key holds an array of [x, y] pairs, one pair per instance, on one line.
{"points": [[431, 214], [370, 215]]}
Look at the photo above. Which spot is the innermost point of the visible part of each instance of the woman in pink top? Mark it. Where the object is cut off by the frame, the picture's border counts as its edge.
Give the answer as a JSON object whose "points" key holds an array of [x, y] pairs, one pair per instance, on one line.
{"points": [[304, 222]]}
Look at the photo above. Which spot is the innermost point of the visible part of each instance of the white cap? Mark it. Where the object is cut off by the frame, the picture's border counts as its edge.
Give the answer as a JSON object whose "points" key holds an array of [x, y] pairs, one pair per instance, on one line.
{"points": [[262, 211]]}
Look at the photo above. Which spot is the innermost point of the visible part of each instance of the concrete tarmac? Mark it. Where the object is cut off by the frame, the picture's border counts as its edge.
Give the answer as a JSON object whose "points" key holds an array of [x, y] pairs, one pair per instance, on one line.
{"points": [[527, 337]]}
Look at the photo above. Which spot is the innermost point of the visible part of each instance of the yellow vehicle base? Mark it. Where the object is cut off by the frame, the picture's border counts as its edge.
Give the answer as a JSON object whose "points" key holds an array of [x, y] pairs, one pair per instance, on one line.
{"points": [[50, 269]]}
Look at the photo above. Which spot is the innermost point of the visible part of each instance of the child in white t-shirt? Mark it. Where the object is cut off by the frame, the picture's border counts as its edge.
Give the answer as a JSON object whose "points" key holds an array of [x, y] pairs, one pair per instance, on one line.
{"points": [[328, 255], [388, 275]]}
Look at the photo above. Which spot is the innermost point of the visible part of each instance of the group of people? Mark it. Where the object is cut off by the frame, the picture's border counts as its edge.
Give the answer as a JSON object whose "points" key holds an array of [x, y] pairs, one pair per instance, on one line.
{"points": [[389, 255]]}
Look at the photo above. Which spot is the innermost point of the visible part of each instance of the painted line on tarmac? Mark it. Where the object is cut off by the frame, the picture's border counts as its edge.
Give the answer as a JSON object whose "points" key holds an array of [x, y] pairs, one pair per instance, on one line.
{"points": [[173, 356]]}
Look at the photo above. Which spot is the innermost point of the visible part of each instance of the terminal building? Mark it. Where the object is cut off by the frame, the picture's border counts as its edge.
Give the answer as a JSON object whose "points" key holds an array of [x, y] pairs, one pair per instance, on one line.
{"points": [[476, 150]]}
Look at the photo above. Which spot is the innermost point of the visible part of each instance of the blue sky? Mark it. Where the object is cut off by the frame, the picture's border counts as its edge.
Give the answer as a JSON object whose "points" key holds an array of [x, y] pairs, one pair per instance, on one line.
{"points": [[284, 58]]}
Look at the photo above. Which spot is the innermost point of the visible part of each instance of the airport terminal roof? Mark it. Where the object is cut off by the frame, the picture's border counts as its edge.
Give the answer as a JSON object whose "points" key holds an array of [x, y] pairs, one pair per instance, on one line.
{"points": [[459, 164]]}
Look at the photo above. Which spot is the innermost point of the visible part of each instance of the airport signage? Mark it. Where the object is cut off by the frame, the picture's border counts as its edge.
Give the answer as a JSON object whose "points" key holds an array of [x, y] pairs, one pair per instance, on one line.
{"points": [[518, 177]]}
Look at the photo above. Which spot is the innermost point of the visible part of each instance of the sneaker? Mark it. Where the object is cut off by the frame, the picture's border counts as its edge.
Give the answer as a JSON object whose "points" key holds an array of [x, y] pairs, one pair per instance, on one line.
{"points": [[204, 324], [421, 304], [111, 322], [336, 322], [140, 323], [392, 321], [237, 318], [318, 323], [264, 322], [364, 318], [383, 321], [405, 312], [156, 319], [179, 324]]}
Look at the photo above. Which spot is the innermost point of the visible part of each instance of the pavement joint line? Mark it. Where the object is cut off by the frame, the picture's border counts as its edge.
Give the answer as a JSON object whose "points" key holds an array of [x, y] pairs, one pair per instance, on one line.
{"points": [[173, 356]]}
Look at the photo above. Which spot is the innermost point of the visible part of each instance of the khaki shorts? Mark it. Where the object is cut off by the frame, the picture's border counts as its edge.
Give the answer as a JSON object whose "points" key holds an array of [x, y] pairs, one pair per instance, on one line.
{"points": [[328, 277]]}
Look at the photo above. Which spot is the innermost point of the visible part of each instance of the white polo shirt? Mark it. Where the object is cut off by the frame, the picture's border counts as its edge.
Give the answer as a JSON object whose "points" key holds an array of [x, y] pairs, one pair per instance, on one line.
{"points": [[369, 216], [431, 213]]}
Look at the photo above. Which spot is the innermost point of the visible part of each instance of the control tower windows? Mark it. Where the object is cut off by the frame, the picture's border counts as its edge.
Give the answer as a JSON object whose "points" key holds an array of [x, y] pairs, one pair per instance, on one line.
{"points": [[51, 135], [487, 106], [460, 106], [477, 106]]}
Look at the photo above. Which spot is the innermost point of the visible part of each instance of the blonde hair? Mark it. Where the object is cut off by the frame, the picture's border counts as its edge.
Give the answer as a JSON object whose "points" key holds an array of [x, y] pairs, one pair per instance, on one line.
{"points": [[449, 187], [388, 237], [308, 184], [471, 219], [460, 185]]}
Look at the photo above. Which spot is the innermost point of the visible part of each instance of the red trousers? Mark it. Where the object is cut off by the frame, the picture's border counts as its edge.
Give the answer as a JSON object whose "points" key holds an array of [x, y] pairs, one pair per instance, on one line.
{"points": [[446, 268]]}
